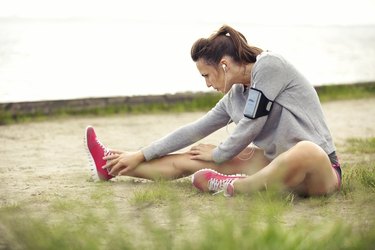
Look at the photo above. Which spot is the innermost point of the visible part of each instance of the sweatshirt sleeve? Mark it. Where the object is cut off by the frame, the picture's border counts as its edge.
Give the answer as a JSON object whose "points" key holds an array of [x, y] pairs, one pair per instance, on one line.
{"points": [[215, 119], [269, 76], [244, 133]]}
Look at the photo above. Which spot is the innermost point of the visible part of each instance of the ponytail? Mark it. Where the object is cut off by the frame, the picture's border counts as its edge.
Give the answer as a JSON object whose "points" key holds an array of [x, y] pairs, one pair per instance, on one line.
{"points": [[225, 42]]}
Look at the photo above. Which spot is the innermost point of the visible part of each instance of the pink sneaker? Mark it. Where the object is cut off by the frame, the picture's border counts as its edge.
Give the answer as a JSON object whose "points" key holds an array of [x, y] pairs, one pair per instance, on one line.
{"points": [[96, 151], [228, 189], [208, 180]]}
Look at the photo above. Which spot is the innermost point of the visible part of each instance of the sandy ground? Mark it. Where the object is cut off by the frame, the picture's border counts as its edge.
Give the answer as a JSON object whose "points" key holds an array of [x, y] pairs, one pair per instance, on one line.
{"points": [[45, 160]]}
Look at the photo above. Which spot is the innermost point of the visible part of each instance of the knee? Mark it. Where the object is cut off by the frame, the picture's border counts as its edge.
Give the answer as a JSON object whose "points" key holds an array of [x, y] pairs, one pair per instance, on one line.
{"points": [[184, 165], [179, 162], [306, 151]]}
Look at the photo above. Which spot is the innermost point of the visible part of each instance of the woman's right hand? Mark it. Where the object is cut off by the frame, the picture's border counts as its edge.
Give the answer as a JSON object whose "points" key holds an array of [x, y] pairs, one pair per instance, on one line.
{"points": [[120, 163]]}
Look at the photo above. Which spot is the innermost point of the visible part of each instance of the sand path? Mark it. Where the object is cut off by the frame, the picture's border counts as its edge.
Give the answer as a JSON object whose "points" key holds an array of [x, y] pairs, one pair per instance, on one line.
{"points": [[47, 159]]}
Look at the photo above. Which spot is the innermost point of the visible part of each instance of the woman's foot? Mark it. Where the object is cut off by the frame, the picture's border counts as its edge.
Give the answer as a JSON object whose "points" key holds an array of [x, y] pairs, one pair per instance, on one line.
{"points": [[208, 180], [96, 151]]}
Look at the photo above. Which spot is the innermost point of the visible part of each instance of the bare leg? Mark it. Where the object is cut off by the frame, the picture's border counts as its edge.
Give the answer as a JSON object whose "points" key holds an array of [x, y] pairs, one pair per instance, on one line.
{"points": [[305, 169], [175, 166]]}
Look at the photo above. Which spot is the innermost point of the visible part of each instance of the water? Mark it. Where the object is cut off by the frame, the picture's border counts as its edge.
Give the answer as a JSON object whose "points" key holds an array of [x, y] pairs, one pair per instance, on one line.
{"points": [[65, 59]]}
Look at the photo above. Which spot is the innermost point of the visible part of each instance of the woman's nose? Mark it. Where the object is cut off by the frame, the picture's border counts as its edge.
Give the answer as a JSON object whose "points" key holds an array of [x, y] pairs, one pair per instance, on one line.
{"points": [[208, 84]]}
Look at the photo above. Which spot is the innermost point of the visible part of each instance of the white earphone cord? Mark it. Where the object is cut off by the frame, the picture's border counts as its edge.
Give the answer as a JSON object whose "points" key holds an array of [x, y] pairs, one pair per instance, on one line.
{"points": [[251, 149]]}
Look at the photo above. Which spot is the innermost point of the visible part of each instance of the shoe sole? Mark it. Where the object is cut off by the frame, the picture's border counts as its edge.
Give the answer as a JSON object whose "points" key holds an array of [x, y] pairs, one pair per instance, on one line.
{"points": [[92, 166]]}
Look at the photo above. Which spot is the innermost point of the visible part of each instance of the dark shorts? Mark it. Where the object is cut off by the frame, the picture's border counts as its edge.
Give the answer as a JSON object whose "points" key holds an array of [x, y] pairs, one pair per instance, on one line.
{"points": [[336, 166]]}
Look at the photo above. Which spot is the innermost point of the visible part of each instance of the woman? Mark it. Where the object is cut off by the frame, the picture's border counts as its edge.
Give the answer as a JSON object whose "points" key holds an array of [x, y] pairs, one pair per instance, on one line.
{"points": [[280, 137]]}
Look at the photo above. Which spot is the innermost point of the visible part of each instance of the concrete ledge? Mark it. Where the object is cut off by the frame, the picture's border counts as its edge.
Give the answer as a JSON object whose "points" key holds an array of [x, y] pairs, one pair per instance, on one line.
{"points": [[77, 105], [50, 107]]}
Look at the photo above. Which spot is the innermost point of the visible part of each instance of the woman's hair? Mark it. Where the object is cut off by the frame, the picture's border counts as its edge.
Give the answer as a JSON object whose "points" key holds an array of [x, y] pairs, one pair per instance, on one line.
{"points": [[225, 42]]}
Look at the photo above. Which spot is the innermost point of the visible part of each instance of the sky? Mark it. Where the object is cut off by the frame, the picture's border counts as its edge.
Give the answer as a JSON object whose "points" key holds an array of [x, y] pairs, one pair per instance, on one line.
{"points": [[285, 12], [30, 64]]}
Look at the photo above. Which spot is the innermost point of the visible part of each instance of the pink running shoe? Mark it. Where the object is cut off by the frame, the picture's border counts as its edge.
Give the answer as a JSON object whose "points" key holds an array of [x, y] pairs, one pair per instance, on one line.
{"points": [[208, 180], [228, 189], [96, 151]]}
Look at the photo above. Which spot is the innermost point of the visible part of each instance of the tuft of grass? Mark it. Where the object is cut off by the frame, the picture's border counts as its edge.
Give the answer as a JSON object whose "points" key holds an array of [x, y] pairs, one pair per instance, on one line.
{"points": [[157, 192], [86, 231], [228, 231], [364, 145], [360, 176]]}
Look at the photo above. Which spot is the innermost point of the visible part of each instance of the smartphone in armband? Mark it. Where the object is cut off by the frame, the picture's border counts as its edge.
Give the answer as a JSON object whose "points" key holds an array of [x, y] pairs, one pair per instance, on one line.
{"points": [[257, 104]]}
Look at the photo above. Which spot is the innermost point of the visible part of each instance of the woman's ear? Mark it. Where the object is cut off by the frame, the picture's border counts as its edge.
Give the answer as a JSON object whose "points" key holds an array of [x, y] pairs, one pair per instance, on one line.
{"points": [[224, 67], [224, 64]]}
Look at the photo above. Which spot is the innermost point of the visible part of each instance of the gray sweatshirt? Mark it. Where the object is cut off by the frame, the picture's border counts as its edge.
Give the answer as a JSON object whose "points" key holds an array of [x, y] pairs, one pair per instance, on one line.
{"points": [[296, 115]]}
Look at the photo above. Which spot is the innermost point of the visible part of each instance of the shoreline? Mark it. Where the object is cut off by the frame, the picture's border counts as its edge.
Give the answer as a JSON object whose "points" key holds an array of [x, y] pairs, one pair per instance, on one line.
{"points": [[179, 102]]}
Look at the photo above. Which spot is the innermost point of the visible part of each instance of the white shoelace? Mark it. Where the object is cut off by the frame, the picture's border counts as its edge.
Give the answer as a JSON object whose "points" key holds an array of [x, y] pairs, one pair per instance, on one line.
{"points": [[217, 185], [107, 151]]}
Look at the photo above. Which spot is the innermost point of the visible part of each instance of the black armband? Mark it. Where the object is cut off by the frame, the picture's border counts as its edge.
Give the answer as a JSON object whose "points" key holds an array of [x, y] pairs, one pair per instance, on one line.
{"points": [[257, 104]]}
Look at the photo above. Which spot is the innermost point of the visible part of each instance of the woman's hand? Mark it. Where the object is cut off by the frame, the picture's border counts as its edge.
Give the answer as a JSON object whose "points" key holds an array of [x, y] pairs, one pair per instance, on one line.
{"points": [[202, 152], [120, 163]]}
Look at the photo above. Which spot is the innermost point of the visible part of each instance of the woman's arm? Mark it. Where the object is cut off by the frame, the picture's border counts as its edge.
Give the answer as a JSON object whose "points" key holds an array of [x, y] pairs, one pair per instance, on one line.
{"points": [[269, 76], [215, 119]]}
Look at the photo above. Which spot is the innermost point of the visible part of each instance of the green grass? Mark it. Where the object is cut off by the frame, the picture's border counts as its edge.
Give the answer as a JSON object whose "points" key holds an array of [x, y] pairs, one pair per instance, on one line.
{"points": [[258, 224], [366, 146], [198, 102], [346, 91], [173, 215], [361, 176], [155, 193]]}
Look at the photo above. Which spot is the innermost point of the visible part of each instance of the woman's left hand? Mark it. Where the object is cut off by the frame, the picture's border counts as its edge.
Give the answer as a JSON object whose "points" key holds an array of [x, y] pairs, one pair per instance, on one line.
{"points": [[202, 152]]}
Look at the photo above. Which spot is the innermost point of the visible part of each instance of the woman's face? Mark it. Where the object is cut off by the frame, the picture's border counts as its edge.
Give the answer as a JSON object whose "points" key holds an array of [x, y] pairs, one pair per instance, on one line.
{"points": [[214, 77]]}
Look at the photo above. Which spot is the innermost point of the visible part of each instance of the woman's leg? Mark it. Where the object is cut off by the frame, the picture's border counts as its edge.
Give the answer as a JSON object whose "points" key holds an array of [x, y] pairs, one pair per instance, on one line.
{"points": [[174, 166], [305, 169]]}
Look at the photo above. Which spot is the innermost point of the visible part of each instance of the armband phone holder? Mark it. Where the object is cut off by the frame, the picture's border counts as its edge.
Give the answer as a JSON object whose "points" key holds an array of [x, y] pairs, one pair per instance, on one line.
{"points": [[257, 104]]}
